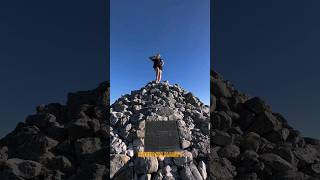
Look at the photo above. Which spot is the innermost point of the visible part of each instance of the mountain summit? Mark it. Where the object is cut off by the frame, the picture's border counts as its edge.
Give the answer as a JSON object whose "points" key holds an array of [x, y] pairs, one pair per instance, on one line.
{"points": [[159, 102]]}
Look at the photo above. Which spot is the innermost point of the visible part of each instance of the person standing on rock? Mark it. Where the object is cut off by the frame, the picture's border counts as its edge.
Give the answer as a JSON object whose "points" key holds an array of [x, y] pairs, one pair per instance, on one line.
{"points": [[158, 63]]}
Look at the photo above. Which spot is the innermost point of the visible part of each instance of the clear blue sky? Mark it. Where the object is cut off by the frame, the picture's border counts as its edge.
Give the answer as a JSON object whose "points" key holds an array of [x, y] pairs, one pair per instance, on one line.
{"points": [[47, 49], [271, 49], [178, 29]]}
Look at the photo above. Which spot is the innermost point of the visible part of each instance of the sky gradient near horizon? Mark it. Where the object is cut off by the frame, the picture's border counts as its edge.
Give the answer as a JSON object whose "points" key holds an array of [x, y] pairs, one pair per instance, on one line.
{"points": [[271, 49], [179, 30]]}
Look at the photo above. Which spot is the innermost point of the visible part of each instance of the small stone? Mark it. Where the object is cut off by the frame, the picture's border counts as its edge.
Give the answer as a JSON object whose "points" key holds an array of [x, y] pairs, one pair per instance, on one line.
{"points": [[130, 153], [202, 169], [185, 144], [140, 133], [180, 161], [142, 124]]}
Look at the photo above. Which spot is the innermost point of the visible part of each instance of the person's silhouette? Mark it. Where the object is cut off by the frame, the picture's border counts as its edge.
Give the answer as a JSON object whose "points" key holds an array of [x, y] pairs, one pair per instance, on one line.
{"points": [[158, 63]]}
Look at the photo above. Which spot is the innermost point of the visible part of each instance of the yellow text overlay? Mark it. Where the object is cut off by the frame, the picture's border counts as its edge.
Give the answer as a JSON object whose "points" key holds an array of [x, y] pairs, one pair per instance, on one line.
{"points": [[160, 154]]}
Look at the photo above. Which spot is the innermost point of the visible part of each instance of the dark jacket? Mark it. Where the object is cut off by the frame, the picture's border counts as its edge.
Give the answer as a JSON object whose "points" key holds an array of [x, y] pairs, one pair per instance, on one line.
{"points": [[157, 62]]}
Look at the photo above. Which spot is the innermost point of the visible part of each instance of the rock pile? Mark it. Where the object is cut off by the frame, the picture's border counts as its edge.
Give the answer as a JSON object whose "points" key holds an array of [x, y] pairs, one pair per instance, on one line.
{"points": [[61, 141], [159, 102], [250, 142]]}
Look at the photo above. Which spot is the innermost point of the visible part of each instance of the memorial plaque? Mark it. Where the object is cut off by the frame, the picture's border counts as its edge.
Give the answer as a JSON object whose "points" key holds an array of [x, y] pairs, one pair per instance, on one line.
{"points": [[161, 136]]}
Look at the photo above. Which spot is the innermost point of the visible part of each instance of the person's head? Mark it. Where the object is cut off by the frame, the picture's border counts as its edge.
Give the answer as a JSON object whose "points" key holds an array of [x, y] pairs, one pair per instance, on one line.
{"points": [[158, 56]]}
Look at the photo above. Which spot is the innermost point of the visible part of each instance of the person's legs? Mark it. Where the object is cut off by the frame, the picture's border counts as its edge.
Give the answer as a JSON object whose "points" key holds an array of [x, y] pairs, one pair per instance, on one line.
{"points": [[157, 74], [160, 74], [158, 79]]}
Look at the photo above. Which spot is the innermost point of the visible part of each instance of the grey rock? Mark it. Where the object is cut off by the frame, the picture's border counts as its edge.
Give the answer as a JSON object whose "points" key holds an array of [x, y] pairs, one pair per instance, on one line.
{"points": [[117, 146], [195, 172], [316, 168], [93, 171], [42, 120], [158, 176], [145, 165], [229, 152], [213, 103], [23, 168], [235, 130], [251, 141], [306, 155], [221, 138], [248, 176], [125, 173], [220, 89], [289, 175], [190, 173], [60, 163], [277, 136], [165, 111], [256, 105], [265, 123], [140, 133], [202, 170], [87, 146], [89, 150], [276, 162], [3, 153], [185, 144], [83, 127], [221, 169], [180, 161], [287, 154], [142, 124], [221, 121], [31, 146], [117, 161]]}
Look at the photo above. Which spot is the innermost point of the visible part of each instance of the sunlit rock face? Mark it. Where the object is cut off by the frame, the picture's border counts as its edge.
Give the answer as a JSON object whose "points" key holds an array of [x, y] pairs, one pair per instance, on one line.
{"points": [[159, 102]]}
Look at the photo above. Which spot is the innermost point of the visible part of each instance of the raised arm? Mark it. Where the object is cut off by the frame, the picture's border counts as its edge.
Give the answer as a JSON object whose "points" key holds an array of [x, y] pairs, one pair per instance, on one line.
{"points": [[151, 57]]}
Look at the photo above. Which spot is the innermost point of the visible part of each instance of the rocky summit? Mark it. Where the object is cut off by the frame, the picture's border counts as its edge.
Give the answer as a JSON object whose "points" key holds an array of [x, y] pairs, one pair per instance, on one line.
{"points": [[239, 137], [159, 102], [249, 141], [61, 141]]}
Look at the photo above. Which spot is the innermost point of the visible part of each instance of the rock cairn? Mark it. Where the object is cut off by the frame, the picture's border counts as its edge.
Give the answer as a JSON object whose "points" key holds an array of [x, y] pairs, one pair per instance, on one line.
{"points": [[159, 102], [247, 140], [250, 142], [60, 141]]}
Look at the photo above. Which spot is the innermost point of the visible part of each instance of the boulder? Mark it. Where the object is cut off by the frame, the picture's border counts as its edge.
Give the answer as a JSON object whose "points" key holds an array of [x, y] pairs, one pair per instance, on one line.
{"points": [[251, 141], [276, 162], [256, 105], [221, 169], [117, 161], [145, 165], [202, 170], [221, 121], [230, 151], [306, 155], [20, 169], [221, 138], [180, 161], [220, 89], [265, 123]]}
